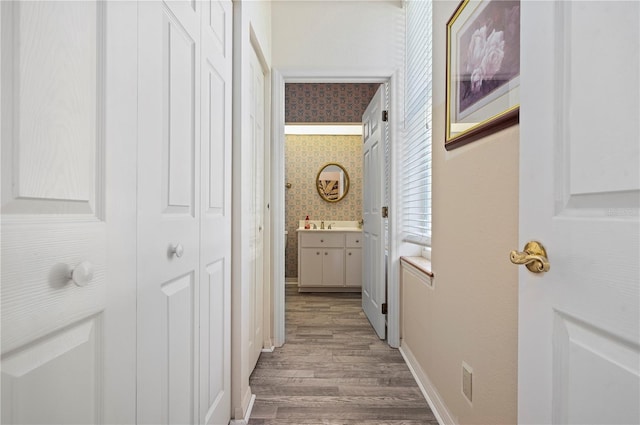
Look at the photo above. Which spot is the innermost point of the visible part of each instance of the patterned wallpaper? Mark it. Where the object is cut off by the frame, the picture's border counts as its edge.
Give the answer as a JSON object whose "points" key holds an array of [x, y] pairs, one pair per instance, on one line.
{"points": [[304, 155], [322, 102]]}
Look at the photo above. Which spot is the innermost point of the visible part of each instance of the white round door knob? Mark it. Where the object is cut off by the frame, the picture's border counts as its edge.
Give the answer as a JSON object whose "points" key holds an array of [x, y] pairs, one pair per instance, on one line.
{"points": [[178, 250], [82, 273]]}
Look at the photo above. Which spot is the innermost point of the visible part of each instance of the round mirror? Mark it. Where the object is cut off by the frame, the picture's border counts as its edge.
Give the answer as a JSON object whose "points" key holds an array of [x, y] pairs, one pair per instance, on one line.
{"points": [[332, 182]]}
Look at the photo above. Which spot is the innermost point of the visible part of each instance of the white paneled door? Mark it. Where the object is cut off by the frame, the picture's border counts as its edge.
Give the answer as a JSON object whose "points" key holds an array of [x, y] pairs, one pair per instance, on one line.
{"points": [[579, 323], [373, 282], [215, 220], [257, 292], [169, 211], [68, 304], [184, 78]]}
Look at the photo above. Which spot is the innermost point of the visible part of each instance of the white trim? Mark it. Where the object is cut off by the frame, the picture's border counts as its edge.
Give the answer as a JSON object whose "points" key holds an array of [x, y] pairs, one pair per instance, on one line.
{"points": [[277, 205], [278, 184], [324, 129], [419, 274], [396, 117], [245, 420], [364, 75], [439, 409]]}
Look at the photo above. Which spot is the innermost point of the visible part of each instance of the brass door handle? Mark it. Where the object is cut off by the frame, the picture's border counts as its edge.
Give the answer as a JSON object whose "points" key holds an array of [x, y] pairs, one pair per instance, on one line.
{"points": [[534, 257]]}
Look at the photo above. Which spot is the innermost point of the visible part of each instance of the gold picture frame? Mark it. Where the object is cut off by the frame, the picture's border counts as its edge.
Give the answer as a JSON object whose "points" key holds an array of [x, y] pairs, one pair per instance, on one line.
{"points": [[483, 70], [332, 182]]}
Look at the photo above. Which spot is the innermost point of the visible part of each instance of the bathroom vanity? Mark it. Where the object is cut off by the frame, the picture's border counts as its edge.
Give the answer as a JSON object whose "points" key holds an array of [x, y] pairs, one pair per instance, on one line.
{"points": [[330, 260]]}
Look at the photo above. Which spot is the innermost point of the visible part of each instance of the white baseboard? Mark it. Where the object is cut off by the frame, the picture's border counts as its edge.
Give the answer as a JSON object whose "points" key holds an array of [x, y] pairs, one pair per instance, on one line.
{"points": [[430, 393], [268, 350], [354, 289], [290, 280], [245, 421]]}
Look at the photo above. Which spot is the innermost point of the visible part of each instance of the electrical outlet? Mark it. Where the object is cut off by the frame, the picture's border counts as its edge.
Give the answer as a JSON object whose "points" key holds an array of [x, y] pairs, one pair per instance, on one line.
{"points": [[467, 375]]}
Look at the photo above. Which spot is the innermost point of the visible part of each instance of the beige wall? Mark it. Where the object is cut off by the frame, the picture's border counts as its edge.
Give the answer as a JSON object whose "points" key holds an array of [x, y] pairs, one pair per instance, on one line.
{"points": [[325, 35], [304, 155], [471, 315]]}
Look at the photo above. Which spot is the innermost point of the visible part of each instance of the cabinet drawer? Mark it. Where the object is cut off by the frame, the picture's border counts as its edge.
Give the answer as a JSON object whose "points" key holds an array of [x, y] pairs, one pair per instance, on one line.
{"points": [[322, 239], [354, 240]]}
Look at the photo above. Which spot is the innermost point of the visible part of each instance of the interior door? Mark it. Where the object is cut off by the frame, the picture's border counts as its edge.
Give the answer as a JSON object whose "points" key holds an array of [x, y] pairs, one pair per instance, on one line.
{"points": [[169, 213], [256, 117], [67, 92], [579, 323], [215, 215], [373, 290]]}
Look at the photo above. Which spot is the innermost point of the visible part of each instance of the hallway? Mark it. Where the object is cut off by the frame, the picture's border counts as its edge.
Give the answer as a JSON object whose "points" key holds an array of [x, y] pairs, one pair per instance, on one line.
{"points": [[333, 369]]}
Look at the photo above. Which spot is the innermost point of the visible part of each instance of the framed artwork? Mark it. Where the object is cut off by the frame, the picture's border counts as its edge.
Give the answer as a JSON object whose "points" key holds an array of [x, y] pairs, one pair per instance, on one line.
{"points": [[483, 70]]}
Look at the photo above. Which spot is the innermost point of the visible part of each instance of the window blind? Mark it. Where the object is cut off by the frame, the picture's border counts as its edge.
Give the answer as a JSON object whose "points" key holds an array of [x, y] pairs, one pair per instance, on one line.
{"points": [[415, 153]]}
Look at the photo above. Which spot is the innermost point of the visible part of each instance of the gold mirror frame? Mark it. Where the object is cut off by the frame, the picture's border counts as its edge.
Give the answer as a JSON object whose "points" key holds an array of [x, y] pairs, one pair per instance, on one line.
{"points": [[330, 189]]}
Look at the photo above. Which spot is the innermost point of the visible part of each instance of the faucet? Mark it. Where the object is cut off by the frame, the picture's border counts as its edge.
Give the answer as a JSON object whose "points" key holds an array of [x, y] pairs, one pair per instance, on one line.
{"points": [[331, 224]]}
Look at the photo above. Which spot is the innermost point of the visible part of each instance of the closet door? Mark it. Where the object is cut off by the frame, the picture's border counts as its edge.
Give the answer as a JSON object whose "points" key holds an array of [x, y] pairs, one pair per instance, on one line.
{"points": [[184, 231], [256, 202], [215, 215], [67, 90], [168, 210]]}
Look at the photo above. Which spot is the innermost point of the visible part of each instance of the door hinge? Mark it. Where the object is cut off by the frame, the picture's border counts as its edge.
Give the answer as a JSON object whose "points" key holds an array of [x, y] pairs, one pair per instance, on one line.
{"points": [[385, 116], [384, 308], [385, 212]]}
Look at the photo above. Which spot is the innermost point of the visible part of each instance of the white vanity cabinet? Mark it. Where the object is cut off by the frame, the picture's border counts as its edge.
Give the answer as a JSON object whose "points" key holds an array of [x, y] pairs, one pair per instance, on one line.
{"points": [[329, 260], [353, 260]]}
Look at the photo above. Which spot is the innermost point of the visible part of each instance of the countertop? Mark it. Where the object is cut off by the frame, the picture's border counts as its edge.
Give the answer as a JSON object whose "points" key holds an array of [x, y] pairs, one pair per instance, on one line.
{"points": [[337, 229]]}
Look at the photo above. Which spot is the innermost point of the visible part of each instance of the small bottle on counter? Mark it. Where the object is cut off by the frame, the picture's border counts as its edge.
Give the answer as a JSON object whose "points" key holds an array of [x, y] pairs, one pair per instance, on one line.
{"points": [[306, 223]]}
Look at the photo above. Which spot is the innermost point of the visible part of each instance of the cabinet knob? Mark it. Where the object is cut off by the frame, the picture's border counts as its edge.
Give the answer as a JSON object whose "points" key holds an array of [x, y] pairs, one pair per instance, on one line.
{"points": [[321, 240], [349, 253], [317, 253], [357, 240], [177, 250], [326, 253], [82, 274]]}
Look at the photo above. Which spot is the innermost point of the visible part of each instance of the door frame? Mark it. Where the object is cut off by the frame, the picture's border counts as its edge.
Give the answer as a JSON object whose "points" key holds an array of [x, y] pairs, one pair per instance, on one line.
{"points": [[279, 78]]}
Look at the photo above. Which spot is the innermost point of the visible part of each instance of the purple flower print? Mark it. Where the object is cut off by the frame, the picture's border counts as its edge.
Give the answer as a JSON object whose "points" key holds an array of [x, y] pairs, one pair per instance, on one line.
{"points": [[489, 54], [484, 56], [493, 54], [475, 52]]}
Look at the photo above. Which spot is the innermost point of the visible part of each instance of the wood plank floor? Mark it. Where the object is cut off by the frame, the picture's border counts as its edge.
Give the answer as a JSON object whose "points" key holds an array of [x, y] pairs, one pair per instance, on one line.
{"points": [[334, 369]]}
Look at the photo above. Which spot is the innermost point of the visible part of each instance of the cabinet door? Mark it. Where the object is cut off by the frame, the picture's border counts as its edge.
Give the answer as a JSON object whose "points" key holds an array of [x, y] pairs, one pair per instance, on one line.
{"points": [[311, 266], [333, 267], [353, 267]]}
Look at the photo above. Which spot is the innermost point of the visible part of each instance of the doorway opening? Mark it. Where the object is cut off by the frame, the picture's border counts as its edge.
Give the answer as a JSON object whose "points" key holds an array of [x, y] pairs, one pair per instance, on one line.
{"points": [[288, 209], [323, 132]]}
